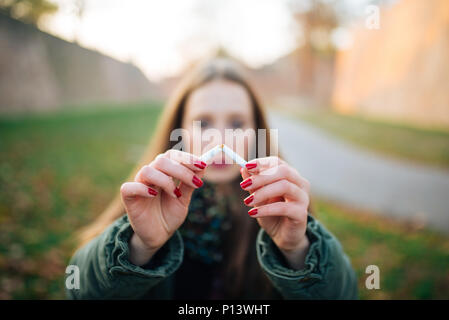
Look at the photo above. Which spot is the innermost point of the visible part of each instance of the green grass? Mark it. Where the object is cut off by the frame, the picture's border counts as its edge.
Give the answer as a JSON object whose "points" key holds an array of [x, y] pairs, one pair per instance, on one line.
{"points": [[58, 171], [398, 140], [413, 262]]}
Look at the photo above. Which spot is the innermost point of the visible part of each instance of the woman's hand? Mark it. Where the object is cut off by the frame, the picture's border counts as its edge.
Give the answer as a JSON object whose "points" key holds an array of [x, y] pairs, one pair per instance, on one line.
{"points": [[155, 205], [280, 199]]}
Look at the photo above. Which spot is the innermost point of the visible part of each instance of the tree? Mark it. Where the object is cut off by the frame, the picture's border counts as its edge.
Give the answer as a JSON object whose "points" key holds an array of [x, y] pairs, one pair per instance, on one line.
{"points": [[29, 11], [316, 20]]}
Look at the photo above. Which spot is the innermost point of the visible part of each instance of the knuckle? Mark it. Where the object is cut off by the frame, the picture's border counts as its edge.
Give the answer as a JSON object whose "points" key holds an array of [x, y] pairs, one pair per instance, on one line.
{"points": [[160, 161], [284, 170], [295, 171], [146, 171], [170, 154], [177, 156], [159, 156], [139, 173], [277, 160], [269, 162], [146, 174], [124, 187]]}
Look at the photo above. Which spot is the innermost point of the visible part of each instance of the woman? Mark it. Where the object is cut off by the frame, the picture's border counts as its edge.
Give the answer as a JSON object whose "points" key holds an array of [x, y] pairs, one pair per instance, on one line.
{"points": [[196, 239]]}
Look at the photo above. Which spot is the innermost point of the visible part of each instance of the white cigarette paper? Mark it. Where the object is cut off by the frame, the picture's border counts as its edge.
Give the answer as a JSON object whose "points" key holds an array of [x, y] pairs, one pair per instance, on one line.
{"points": [[234, 156], [211, 153], [223, 148]]}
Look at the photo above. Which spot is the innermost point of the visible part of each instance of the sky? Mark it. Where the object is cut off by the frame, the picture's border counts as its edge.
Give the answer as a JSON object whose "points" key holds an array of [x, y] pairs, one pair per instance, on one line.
{"points": [[163, 37]]}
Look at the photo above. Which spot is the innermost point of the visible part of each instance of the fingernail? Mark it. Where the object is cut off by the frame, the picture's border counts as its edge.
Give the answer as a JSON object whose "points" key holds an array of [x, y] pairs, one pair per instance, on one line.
{"points": [[200, 164], [177, 192], [196, 181], [252, 211], [249, 199], [250, 166], [246, 183], [152, 191]]}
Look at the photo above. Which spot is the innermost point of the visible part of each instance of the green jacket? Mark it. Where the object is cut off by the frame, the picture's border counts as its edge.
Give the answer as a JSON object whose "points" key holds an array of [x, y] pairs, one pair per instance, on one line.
{"points": [[106, 272]]}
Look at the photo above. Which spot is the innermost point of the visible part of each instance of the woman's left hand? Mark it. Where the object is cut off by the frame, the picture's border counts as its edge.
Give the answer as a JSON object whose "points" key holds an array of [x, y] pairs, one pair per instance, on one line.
{"points": [[280, 200]]}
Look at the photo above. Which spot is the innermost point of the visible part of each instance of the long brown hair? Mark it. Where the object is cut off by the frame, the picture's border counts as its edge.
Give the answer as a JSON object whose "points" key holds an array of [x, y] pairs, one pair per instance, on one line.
{"points": [[243, 237]]}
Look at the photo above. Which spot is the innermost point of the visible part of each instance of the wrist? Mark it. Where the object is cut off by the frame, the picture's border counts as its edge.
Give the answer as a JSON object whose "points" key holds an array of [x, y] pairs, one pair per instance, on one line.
{"points": [[139, 253], [296, 257]]}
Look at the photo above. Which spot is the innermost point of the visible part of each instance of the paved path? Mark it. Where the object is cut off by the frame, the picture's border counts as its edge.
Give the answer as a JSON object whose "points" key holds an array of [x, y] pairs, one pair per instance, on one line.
{"points": [[339, 171]]}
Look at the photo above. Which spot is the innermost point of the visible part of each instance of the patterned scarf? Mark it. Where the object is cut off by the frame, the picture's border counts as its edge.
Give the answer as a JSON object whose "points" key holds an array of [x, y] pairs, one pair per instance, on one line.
{"points": [[206, 223]]}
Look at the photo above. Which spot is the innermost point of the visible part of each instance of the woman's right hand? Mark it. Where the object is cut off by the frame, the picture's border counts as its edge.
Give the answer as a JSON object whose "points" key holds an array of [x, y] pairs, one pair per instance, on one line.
{"points": [[156, 207]]}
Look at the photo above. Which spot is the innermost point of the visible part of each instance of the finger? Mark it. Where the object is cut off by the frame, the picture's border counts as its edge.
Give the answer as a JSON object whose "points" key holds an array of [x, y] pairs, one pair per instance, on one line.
{"points": [[244, 173], [257, 165], [151, 176], [131, 190], [286, 209], [176, 170], [281, 188], [283, 171], [186, 190], [188, 160]]}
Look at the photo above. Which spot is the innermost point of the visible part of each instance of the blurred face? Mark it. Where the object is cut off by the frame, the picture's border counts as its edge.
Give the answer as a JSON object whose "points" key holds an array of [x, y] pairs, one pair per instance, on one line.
{"points": [[220, 105]]}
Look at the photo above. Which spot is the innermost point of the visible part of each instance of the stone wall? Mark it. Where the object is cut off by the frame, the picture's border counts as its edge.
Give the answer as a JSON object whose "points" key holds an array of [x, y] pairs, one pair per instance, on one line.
{"points": [[39, 71], [400, 71]]}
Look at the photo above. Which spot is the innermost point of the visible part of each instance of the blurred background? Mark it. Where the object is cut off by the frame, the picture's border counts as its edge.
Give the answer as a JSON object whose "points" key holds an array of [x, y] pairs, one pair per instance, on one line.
{"points": [[359, 88]]}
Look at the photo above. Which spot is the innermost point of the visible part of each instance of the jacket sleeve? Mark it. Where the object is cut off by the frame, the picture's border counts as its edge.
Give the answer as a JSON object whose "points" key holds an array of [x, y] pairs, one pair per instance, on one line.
{"points": [[105, 271], [327, 274]]}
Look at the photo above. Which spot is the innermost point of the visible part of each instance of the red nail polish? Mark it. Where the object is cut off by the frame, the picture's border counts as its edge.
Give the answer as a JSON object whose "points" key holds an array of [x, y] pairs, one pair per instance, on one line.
{"points": [[200, 164], [246, 183], [250, 166], [152, 191], [197, 181], [252, 212], [249, 199], [177, 192]]}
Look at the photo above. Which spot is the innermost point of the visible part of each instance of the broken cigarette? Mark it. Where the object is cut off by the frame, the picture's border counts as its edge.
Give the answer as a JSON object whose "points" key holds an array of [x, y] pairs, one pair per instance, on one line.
{"points": [[228, 151], [211, 153], [233, 155]]}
